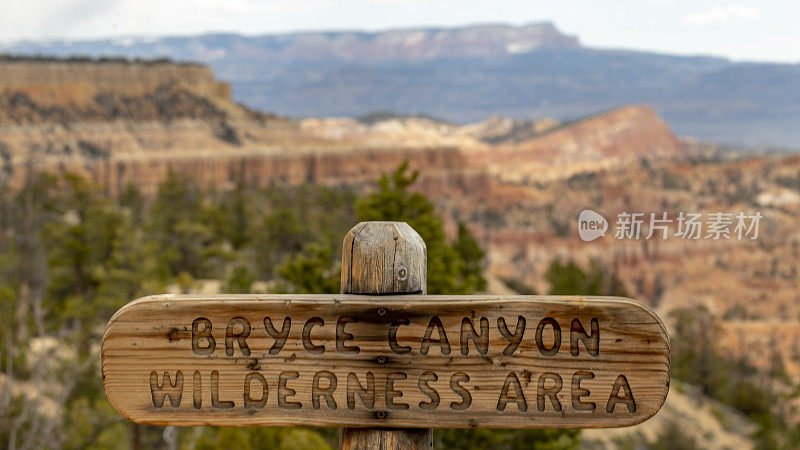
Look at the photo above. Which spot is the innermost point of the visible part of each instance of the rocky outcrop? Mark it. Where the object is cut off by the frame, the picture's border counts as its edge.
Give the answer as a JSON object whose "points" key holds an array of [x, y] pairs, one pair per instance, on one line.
{"points": [[601, 141], [63, 82], [258, 167], [132, 122]]}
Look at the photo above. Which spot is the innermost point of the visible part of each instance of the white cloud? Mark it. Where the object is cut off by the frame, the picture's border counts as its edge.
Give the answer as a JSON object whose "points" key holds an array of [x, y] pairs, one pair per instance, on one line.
{"points": [[723, 15]]}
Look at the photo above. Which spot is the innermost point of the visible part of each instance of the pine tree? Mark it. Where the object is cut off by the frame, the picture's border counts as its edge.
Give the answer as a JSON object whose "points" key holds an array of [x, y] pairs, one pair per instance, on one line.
{"points": [[452, 269]]}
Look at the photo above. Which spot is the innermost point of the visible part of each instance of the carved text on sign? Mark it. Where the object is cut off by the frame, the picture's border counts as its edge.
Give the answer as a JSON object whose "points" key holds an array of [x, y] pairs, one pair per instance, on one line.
{"points": [[518, 361]]}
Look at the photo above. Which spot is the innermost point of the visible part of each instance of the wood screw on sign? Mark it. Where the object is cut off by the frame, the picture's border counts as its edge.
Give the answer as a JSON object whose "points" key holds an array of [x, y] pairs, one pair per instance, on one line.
{"points": [[384, 258], [382, 359]]}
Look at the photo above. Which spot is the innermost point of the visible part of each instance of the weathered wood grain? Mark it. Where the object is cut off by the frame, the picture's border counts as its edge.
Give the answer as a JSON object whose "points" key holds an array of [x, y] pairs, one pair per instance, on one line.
{"points": [[383, 258], [155, 335], [366, 250]]}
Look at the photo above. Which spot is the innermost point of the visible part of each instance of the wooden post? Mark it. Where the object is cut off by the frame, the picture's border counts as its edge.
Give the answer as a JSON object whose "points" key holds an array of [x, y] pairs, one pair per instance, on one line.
{"points": [[384, 258]]}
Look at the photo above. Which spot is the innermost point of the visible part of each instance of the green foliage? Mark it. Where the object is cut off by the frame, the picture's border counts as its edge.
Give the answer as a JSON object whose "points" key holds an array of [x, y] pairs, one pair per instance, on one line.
{"points": [[187, 230], [238, 207], [569, 279], [671, 437], [240, 281], [94, 254], [776, 433], [131, 201], [452, 269], [471, 257], [696, 359], [518, 286], [300, 439], [93, 424], [480, 439], [256, 438], [292, 218], [314, 271]]}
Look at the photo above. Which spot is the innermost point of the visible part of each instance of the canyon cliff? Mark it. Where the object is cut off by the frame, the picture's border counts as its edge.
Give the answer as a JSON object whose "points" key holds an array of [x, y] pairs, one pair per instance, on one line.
{"points": [[132, 122]]}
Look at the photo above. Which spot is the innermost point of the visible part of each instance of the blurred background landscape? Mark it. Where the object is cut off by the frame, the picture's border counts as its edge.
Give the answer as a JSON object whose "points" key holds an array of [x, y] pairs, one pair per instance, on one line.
{"points": [[226, 162]]}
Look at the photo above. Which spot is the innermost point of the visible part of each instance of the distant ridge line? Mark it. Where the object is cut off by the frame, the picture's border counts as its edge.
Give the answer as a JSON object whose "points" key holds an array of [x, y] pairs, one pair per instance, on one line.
{"points": [[86, 59]]}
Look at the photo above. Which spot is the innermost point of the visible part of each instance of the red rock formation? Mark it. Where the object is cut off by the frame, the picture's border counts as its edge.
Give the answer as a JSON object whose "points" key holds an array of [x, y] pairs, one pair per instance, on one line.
{"points": [[600, 141], [65, 83], [131, 123]]}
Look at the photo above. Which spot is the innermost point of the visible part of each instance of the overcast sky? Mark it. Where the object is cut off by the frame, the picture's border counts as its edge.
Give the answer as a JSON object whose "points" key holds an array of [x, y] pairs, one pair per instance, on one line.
{"points": [[767, 30]]}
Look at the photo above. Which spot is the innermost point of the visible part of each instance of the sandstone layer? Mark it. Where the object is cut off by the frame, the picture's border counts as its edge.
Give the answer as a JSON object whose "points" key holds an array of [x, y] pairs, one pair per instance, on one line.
{"points": [[131, 123]]}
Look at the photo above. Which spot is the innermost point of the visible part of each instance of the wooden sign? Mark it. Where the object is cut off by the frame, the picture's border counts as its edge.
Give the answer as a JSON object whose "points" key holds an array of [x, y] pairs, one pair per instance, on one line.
{"points": [[388, 361]]}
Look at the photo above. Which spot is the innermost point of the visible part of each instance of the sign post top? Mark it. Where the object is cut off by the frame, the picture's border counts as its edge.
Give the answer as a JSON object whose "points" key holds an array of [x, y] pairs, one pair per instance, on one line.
{"points": [[384, 258]]}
